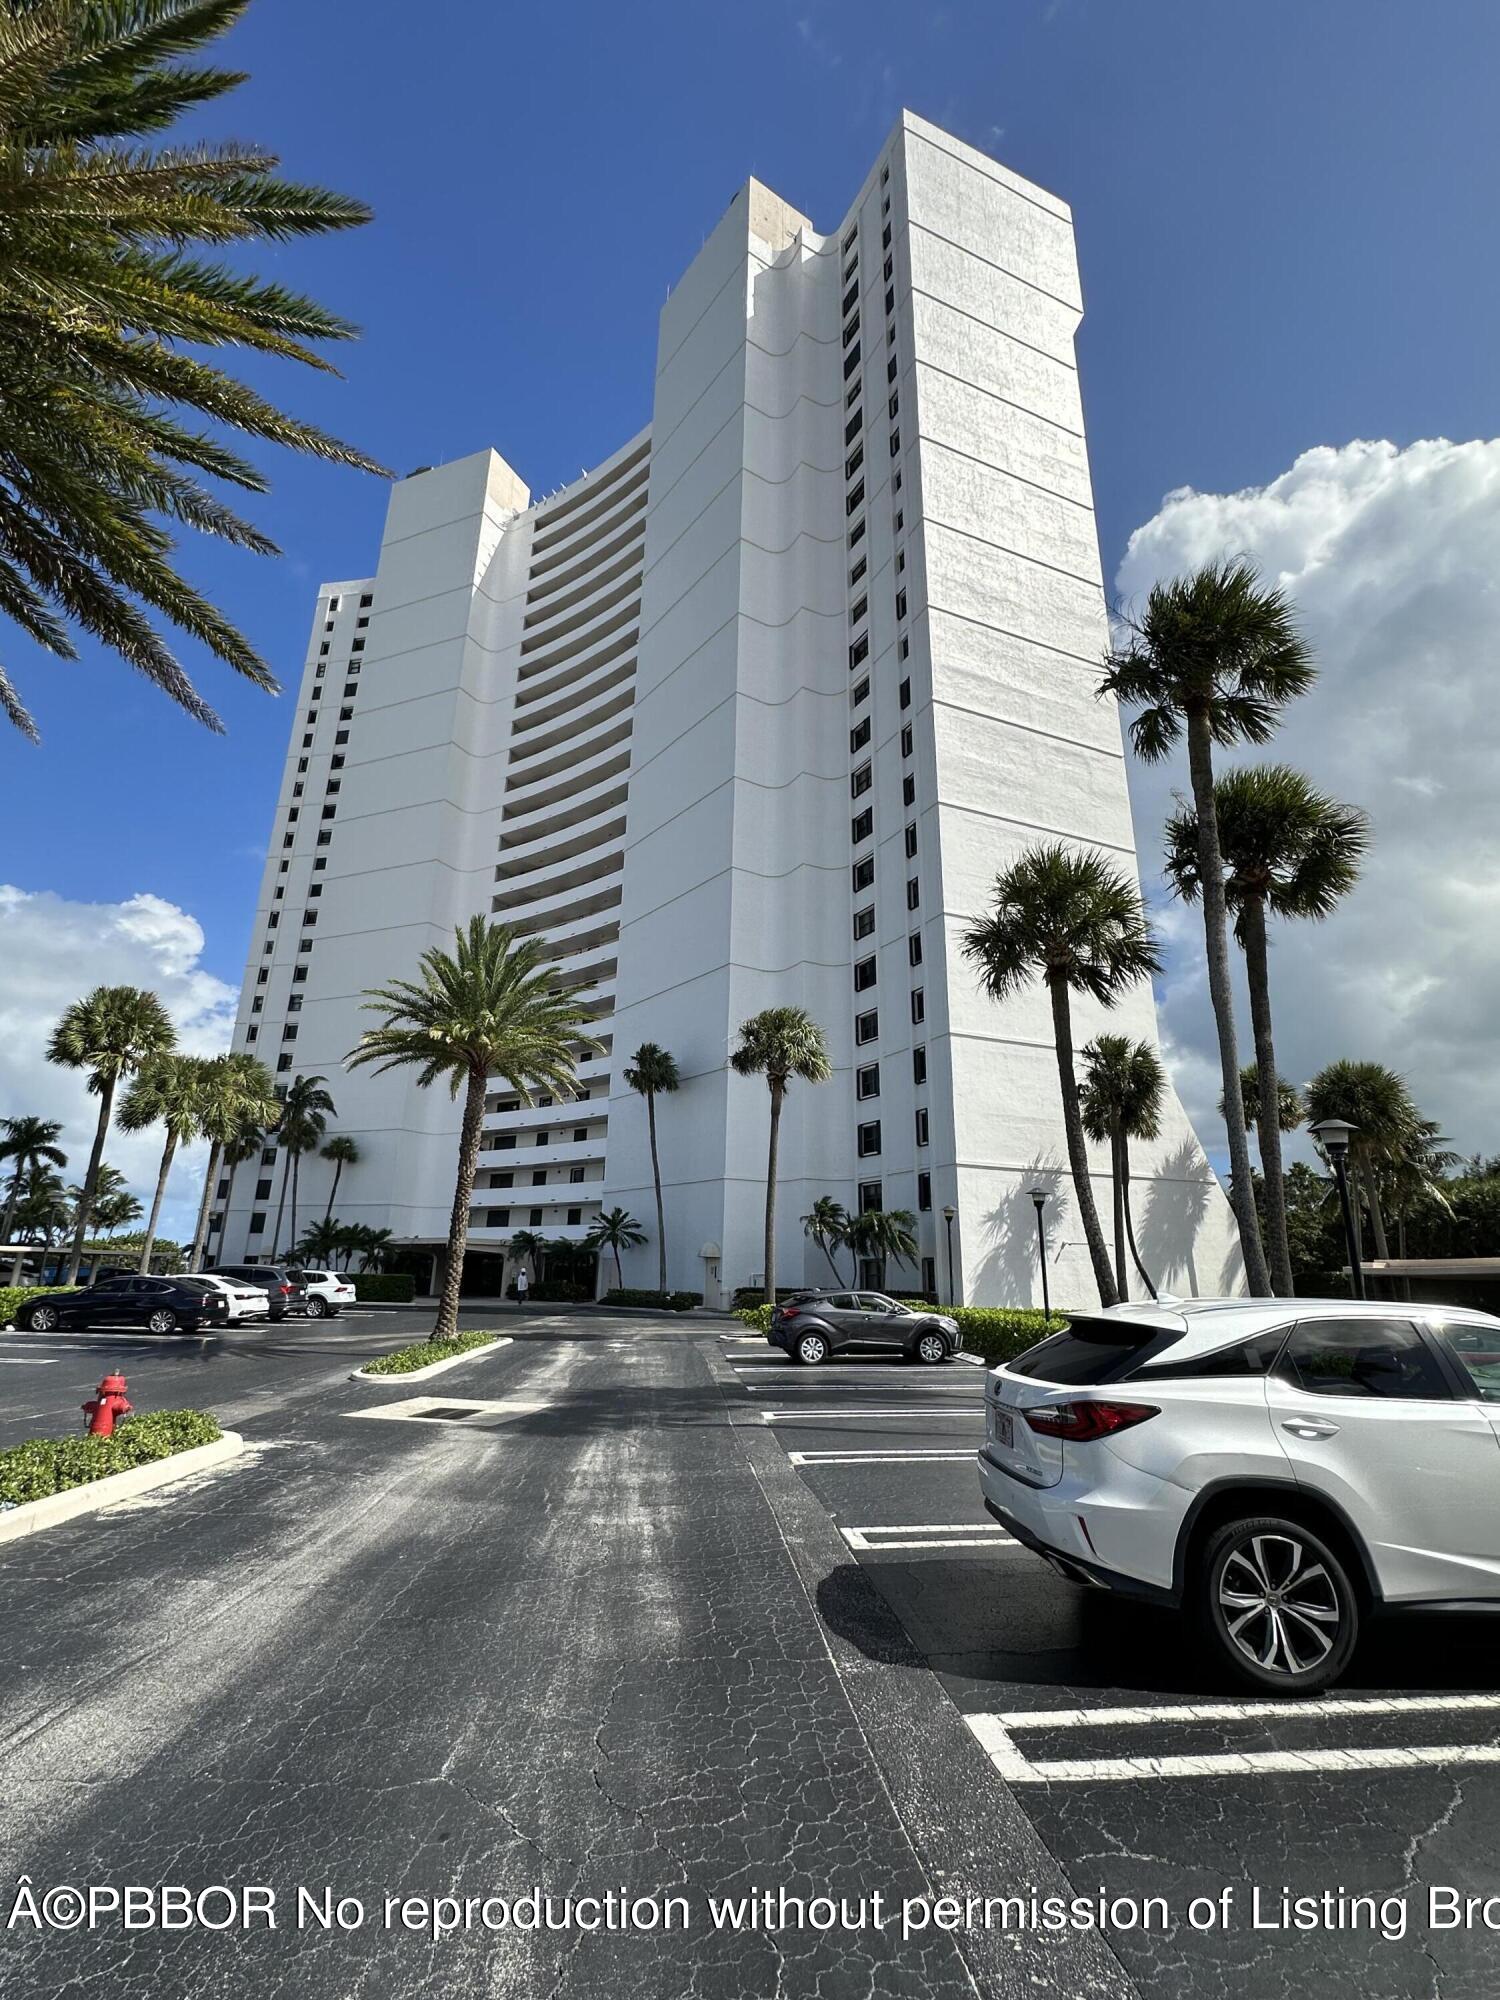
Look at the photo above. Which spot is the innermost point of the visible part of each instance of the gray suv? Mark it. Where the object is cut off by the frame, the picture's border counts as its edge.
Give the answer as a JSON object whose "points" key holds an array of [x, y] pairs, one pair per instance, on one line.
{"points": [[282, 1285], [810, 1326]]}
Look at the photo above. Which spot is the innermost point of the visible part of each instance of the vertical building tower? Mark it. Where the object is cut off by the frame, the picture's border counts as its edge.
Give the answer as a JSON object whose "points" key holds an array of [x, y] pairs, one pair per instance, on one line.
{"points": [[751, 715]]}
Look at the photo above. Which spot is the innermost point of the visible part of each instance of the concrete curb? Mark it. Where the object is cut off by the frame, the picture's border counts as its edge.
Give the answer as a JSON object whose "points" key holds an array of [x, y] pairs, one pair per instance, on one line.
{"points": [[433, 1367], [35, 1515]]}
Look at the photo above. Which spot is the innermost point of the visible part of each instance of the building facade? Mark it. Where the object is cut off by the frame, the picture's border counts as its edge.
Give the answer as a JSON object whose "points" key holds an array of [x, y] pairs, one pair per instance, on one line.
{"points": [[751, 714]]}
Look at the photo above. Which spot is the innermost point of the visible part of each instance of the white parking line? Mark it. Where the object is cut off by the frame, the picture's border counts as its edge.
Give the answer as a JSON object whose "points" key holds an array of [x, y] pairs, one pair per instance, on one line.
{"points": [[880, 1457], [932, 1534], [994, 1734], [28, 1361], [843, 1414]]}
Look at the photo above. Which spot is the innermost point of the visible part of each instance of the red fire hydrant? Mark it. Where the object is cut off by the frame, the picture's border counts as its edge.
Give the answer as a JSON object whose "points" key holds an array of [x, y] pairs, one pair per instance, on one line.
{"points": [[103, 1409]]}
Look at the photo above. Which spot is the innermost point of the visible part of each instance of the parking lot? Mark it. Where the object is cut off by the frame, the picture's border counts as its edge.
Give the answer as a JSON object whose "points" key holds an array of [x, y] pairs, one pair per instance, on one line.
{"points": [[642, 1603], [1140, 1775]]}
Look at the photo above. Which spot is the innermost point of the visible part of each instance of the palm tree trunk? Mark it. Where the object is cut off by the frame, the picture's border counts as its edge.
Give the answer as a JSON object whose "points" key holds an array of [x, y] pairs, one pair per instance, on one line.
{"points": [[837, 1278], [661, 1222], [13, 1202], [333, 1192], [91, 1180], [1078, 1154], [149, 1239], [777, 1092], [292, 1228], [1129, 1220], [463, 1195], [1121, 1286], [234, 1167], [619, 1274], [1377, 1214], [1216, 942], [1268, 1113], [200, 1229], [286, 1168]]}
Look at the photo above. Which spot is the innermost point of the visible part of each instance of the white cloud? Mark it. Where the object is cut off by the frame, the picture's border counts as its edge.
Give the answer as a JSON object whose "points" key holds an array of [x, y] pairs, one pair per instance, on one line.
{"points": [[1392, 557], [53, 951]]}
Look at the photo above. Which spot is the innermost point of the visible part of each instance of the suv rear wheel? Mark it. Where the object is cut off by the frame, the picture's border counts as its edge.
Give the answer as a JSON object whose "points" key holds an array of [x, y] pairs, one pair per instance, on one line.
{"points": [[1276, 1605], [317, 1306], [811, 1349]]}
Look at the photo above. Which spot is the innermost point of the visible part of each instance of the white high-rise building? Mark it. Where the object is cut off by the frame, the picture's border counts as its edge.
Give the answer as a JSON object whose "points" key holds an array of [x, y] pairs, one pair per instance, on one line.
{"points": [[751, 714]]}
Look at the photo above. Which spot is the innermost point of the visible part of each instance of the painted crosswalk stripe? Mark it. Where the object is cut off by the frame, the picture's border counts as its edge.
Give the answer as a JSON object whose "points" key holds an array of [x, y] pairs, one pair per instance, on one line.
{"points": [[928, 1535], [996, 1735]]}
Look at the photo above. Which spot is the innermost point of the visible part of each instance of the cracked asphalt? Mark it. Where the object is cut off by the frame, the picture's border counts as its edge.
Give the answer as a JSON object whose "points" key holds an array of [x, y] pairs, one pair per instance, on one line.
{"points": [[638, 1634]]}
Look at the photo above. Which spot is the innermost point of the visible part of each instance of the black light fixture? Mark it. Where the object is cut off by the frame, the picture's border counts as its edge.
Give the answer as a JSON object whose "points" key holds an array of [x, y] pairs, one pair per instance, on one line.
{"points": [[948, 1214], [1039, 1201], [1333, 1135]]}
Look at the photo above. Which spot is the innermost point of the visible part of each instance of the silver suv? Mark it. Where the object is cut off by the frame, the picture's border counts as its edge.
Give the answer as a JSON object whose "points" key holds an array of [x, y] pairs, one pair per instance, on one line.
{"points": [[810, 1326]]}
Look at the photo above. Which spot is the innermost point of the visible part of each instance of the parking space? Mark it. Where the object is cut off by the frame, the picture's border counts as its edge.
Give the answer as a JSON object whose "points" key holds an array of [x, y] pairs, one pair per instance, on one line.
{"points": [[1142, 1771]]}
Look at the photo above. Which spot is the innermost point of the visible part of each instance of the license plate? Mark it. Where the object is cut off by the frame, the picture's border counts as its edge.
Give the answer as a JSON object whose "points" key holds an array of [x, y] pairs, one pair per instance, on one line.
{"points": [[1005, 1429]]}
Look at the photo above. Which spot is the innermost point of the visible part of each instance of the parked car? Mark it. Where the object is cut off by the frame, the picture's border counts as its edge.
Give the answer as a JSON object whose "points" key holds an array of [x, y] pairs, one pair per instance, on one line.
{"points": [[160, 1305], [328, 1292], [283, 1287], [810, 1326], [246, 1302], [1278, 1470]]}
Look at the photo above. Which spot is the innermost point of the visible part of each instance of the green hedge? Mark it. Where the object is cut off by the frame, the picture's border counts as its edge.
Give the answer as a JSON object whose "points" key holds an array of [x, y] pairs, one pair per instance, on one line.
{"points": [[994, 1332], [559, 1291], [423, 1352], [43, 1466], [677, 1302], [391, 1288], [13, 1297]]}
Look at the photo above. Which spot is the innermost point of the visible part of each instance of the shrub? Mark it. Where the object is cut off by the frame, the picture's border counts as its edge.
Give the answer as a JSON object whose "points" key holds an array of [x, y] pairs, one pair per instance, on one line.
{"points": [[423, 1352], [757, 1318], [677, 1302], [562, 1291], [43, 1466], [391, 1288], [13, 1297]]}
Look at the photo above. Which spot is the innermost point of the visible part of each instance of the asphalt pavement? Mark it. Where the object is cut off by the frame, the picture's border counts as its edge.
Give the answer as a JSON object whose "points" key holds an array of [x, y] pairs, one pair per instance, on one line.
{"points": [[641, 1608]]}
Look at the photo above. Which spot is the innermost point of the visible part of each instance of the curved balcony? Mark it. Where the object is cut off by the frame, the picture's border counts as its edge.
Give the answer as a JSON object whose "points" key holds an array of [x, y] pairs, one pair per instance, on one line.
{"points": [[568, 721], [563, 838], [557, 702], [555, 792], [562, 521], [540, 900], [578, 605], [562, 576], [548, 760], [577, 673]]}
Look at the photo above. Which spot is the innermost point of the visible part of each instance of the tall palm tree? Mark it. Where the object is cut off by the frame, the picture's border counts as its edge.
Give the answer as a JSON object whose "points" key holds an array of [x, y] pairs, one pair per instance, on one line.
{"points": [[883, 1233], [305, 1111], [1120, 1098], [103, 298], [169, 1090], [1287, 851], [322, 1241], [779, 1043], [116, 1210], [44, 1211], [653, 1072], [616, 1230], [1214, 657], [110, 1033], [234, 1154], [489, 1007], [1076, 922], [240, 1106], [1289, 1110], [343, 1152], [370, 1245], [827, 1224], [29, 1143], [1378, 1103]]}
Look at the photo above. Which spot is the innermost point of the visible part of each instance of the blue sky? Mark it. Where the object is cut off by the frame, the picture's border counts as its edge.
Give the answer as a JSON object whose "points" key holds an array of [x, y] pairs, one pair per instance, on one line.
{"points": [[1284, 222]]}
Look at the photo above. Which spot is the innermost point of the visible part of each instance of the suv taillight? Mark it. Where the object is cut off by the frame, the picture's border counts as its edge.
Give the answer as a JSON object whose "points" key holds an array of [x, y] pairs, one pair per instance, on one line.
{"points": [[787, 1312], [286, 1291], [1082, 1423]]}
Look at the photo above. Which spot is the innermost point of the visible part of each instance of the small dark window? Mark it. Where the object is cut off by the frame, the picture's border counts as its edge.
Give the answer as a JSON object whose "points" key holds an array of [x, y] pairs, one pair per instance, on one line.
{"points": [[851, 328], [262, 1190], [864, 974], [861, 693], [861, 826], [289, 1032], [851, 298], [905, 694], [499, 1218], [859, 611], [860, 781], [863, 873], [918, 1007], [900, 603], [851, 361], [864, 922], [913, 893], [851, 429], [924, 1192], [576, 1174], [341, 736], [283, 1063], [867, 1081], [856, 535], [906, 739], [854, 461], [539, 1177], [867, 1026], [536, 1216], [905, 647], [921, 1124], [890, 300], [908, 790], [257, 1223], [858, 570], [365, 603], [870, 1197], [911, 842], [859, 735], [869, 1139], [575, 1216], [892, 369], [914, 948], [859, 652], [856, 499], [919, 1063]]}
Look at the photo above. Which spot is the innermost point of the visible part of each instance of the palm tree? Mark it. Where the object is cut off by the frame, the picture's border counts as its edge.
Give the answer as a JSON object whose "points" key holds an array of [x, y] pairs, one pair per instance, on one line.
{"points": [[110, 1033], [1378, 1103], [653, 1072], [103, 297], [1120, 1098], [1290, 851], [30, 1143], [1289, 1111], [234, 1154], [526, 1247], [778, 1044], [322, 1240], [614, 1229], [305, 1111], [369, 1245], [240, 1106], [343, 1152], [881, 1233], [488, 1007], [168, 1090], [827, 1223], [116, 1210], [44, 1210], [1217, 658], [1074, 920]]}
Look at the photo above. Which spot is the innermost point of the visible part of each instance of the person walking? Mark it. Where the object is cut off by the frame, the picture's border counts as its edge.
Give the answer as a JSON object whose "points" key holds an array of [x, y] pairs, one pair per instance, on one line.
{"points": [[523, 1286]]}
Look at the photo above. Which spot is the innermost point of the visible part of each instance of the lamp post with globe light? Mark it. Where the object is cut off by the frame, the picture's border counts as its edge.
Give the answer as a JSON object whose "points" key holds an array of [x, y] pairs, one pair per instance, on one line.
{"points": [[1039, 1201], [1334, 1134]]}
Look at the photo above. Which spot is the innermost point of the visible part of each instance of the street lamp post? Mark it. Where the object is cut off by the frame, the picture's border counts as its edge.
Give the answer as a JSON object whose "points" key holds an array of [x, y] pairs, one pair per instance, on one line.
{"points": [[1039, 1201], [1334, 1135], [948, 1214]]}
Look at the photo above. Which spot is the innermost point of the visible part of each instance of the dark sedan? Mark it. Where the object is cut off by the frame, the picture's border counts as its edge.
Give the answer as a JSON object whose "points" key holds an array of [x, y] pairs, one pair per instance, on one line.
{"points": [[812, 1325], [154, 1305]]}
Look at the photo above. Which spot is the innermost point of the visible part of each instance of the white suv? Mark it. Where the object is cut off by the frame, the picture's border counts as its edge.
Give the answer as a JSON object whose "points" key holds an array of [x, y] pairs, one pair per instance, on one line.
{"points": [[1277, 1468], [328, 1292]]}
